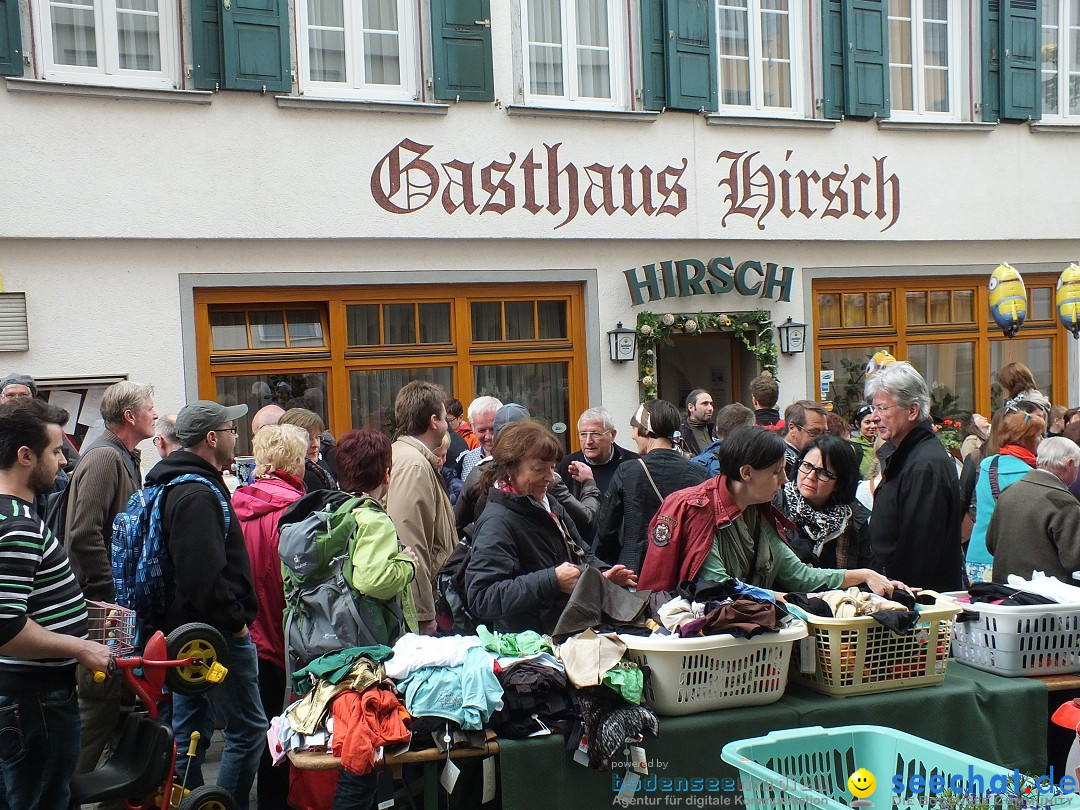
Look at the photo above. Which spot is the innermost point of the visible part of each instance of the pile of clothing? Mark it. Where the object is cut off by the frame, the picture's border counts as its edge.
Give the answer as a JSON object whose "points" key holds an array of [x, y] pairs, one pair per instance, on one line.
{"points": [[1038, 590]]}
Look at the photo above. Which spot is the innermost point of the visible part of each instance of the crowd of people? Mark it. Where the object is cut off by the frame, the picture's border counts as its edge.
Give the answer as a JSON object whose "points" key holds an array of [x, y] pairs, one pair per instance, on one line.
{"points": [[793, 503]]}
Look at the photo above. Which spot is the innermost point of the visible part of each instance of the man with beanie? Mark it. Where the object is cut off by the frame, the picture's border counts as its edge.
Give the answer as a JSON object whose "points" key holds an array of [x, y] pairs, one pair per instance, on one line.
{"points": [[213, 584], [697, 428], [15, 386]]}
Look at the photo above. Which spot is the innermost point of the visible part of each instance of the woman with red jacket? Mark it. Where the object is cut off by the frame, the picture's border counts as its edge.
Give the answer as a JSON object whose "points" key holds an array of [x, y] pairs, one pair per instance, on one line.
{"points": [[279, 452]]}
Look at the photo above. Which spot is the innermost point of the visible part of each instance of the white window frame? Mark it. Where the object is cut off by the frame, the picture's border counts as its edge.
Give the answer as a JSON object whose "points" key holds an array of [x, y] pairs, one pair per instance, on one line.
{"points": [[108, 71], [956, 20], [356, 87], [1064, 60], [799, 63], [617, 48]]}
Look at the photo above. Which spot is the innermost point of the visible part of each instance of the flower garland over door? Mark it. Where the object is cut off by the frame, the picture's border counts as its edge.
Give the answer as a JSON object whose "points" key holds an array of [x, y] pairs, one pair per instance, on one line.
{"points": [[754, 329]]}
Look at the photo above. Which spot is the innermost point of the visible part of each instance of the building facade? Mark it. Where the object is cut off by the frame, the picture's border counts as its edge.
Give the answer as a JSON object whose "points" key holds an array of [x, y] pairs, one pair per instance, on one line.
{"points": [[314, 202]]}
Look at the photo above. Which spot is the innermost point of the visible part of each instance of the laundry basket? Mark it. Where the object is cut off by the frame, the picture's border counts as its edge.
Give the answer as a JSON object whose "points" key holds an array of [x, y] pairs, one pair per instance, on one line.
{"points": [[688, 675], [1018, 640], [858, 656], [801, 768]]}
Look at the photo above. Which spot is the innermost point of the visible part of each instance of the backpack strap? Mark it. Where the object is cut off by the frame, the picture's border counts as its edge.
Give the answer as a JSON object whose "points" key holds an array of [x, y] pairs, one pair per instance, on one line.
{"points": [[648, 475], [995, 485], [195, 477]]}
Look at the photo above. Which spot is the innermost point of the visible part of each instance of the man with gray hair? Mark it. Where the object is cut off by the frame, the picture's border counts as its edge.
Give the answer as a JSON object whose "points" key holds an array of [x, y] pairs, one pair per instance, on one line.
{"points": [[482, 418], [1036, 521], [107, 475], [598, 457], [165, 435], [915, 527]]}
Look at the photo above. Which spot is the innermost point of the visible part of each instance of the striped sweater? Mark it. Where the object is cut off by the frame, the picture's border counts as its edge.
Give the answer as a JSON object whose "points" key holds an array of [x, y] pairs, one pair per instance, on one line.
{"points": [[36, 582]]}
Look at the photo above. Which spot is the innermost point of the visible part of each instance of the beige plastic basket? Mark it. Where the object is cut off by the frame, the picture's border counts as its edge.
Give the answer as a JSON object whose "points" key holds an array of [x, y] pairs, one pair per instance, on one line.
{"points": [[688, 675], [842, 657]]}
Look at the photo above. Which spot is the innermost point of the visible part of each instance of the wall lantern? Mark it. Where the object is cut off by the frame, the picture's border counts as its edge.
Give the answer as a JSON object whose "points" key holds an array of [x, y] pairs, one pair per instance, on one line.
{"points": [[622, 343], [791, 336]]}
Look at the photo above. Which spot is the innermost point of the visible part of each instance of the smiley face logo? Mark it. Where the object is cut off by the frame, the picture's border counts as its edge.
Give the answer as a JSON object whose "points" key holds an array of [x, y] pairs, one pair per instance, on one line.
{"points": [[862, 783]]}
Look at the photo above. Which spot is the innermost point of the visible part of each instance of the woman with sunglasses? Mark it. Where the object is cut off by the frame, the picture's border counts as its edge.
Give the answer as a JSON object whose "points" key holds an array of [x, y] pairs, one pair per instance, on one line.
{"points": [[830, 526]]}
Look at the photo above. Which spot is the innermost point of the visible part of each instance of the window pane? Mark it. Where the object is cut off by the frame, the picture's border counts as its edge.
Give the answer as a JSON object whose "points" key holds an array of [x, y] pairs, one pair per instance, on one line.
{"points": [[552, 317], [545, 21], [267, 329], [900, 88], [138, 35], [228, 330], [916, 308], [592, 22], [1074, 95], [939, 307], [305, 328], [1041, 307], [434, 323], [594, 73], [880, 310], [380, 15], [735, 81], [399, 323], [382, 63], [543, 388], [327, 52], [371, 393], [936, 89], [854, 310], [828, 307], [362, 324], [949, 370], [545, 70], [74, 41], [734, 39], [1035, 353], [486, 321], [963, 302], [519, 321], [289, 390], [776, 89], [849, 367]]}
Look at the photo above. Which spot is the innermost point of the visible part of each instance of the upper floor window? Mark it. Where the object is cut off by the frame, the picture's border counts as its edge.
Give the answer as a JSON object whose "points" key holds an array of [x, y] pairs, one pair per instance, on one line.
{"points": [[1061, 58], [574, 52], [924, 59], [758, 52], [359, 49], [125, 43]]}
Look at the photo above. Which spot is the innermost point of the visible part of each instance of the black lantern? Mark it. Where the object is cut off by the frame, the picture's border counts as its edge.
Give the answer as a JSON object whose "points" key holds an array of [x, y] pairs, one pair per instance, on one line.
{"points": [[791, 336], [622, 343]]}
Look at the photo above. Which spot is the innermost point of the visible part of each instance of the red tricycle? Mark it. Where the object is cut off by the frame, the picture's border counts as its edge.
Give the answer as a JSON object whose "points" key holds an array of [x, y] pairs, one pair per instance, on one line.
{"points": [[141, 771]]}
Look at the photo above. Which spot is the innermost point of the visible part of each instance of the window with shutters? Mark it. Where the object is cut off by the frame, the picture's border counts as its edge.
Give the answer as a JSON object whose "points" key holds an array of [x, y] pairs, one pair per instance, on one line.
{"points": [[120, 43], [924, 58], [363, 49], [573, 53], [1061, 60], [759, 51]]}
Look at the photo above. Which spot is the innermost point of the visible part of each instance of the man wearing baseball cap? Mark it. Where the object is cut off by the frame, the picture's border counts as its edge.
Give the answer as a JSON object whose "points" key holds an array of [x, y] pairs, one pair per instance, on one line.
{"points": [[213, 584]]}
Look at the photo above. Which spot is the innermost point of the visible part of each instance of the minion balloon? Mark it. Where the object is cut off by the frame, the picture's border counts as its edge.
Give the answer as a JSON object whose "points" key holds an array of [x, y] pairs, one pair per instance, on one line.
{"points": [[1008, 299], [1067, 299]]}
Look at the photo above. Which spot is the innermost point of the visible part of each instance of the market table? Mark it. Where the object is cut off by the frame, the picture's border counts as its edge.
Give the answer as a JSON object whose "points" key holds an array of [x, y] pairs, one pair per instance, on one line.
{"points": [[1001, 720]]}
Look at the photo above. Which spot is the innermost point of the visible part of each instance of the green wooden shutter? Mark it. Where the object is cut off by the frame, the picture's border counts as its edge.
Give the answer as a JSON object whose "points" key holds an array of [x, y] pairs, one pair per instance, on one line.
{"points": [[11, 56], [653, 37], [256, 45], [461, 50], [1021, 36], [832, 57], [690, 55], [866, 59], [206, 44], [991, 62]]}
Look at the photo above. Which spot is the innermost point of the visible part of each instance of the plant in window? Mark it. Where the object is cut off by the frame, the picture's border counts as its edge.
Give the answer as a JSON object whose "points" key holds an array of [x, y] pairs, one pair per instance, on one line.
{"points": [[949, 434]]}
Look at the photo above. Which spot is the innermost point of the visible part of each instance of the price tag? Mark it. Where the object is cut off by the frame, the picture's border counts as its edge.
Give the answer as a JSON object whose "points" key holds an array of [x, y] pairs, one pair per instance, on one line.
{"points": [[449, 776], [581, 756], [807, 655], [489, 780], [638, 760], [625, 797]]}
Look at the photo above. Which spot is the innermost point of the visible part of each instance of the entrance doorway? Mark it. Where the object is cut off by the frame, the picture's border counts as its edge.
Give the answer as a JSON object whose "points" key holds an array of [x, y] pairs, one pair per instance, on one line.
{"points": [[717, 362]]}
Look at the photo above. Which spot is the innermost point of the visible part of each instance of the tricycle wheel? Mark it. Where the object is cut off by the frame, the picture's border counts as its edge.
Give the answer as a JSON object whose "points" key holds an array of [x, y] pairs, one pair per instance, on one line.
{"points": [[208, 797], [201, 642]]}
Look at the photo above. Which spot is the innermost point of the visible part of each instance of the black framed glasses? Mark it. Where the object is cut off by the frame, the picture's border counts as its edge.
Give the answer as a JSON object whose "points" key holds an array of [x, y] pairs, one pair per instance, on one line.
{"points": [[806, 468], [814, 433], [232, 429]]}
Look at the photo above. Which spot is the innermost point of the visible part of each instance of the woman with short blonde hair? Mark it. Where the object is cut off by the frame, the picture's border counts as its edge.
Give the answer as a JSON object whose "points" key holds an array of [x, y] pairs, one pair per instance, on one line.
{"points": [[280, 447]]}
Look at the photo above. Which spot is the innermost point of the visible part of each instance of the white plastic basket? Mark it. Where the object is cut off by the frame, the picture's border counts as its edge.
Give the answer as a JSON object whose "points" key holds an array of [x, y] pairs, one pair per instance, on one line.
{"points": [[688, 675], [1019, 640]]}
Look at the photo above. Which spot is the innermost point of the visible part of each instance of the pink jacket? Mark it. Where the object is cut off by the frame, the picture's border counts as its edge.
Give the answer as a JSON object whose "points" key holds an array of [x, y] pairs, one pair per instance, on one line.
{"points": [[259, 507]]}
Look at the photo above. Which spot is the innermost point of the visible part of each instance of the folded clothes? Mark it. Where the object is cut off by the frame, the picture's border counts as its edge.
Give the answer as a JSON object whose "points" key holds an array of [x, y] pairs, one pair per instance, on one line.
{"points": [[744, 618], [528, 642]]}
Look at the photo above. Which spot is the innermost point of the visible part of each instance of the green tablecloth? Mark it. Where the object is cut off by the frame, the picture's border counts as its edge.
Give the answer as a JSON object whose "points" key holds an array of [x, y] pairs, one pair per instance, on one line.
{"points": [[1000, 720]]}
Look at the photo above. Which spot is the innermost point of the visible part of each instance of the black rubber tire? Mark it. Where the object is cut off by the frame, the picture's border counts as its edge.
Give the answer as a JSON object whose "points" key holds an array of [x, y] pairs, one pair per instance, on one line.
{"points": [[202, 641], [208, 797]]}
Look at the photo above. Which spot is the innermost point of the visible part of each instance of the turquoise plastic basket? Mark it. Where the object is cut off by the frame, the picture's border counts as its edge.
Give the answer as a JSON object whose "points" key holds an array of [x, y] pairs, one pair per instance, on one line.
{"points": [[808, 768]]}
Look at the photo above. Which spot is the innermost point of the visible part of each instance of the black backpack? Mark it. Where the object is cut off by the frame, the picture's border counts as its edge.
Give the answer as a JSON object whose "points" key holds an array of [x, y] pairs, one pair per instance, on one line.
{"points": [[451, 600]]}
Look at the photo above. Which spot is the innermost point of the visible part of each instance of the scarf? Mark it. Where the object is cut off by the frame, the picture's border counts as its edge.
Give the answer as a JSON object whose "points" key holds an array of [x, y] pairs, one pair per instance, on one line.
{"points": [[1022, 453], [819, 524]]}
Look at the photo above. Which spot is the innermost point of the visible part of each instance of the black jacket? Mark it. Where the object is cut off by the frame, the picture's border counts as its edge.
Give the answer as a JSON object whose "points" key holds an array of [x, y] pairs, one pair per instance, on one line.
{"points": [[602, 473], [766, 417], [510, 576], [690, 438], [213, 571], [855, 539], [915, 528], [630, 503]]}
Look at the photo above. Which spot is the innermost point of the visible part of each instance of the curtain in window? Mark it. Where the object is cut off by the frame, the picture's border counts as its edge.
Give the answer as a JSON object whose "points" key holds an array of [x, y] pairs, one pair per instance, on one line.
{"points": [[74, 33], [545, 47], [382, 57], [372, 393], [775, 53], [543, 388], [733, 51], [137, 29], [326, 40], [594, 50]]}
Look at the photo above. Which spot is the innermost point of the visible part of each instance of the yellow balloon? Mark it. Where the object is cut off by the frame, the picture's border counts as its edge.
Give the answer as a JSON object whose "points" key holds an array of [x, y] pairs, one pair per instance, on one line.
{"points": [[862, 783]]}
